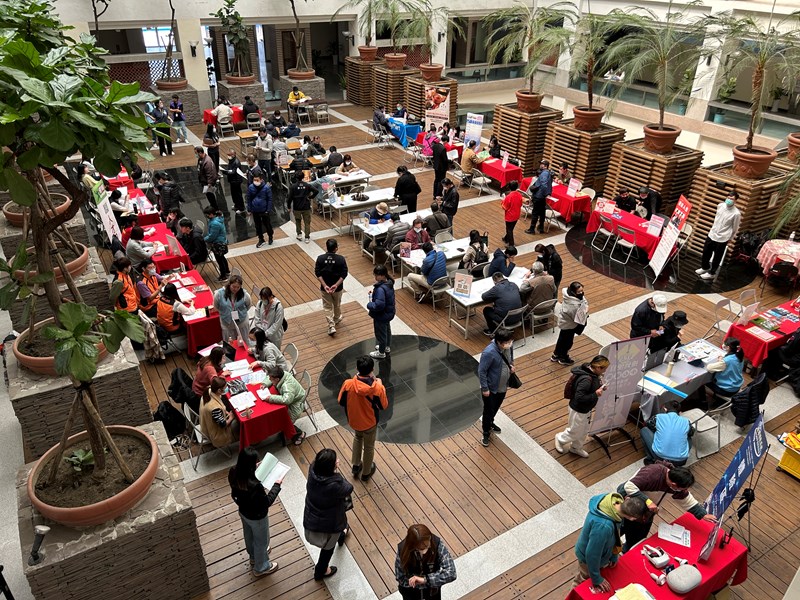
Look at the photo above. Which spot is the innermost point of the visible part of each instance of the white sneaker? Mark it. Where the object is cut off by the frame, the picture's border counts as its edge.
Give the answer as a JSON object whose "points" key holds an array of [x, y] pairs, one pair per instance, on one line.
{"points": [[700, 271], [388, 349], [376, 354], [331, 330], [582, 453], [560, 447], [308, 240], [707, 276], [299, 238]]}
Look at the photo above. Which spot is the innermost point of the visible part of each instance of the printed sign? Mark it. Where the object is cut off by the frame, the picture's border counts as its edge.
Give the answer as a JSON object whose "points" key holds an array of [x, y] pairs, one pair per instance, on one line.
{"points": [[473, 129], [110, 225], [609, 207], [681, 212], [655, 225], [462, 285], [437, 105], [505, 158], [663, 251], [573, 187]]}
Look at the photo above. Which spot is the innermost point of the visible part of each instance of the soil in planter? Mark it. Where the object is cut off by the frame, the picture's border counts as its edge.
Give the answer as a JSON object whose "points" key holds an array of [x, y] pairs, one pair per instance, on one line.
{"points": [[42, 347], [57, 200], [72, 489], [674, 152]]}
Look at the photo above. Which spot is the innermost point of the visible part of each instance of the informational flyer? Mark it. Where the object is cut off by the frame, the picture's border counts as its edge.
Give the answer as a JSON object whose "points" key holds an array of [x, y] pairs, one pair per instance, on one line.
{"points": [[437, 105], [473, 129], [573, 187], [655, 225], [462, 285]]}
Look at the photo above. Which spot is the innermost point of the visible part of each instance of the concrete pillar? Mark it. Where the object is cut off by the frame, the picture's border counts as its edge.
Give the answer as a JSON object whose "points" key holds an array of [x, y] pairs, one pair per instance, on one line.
{"points": [[440, 50], [188, 30]]}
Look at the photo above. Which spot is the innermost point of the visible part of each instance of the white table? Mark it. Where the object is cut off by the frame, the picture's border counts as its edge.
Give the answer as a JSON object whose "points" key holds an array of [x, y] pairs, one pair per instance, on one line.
{"points": [[347, 205], [453, 250], [474, 299], [376, 230], [357, 176]]}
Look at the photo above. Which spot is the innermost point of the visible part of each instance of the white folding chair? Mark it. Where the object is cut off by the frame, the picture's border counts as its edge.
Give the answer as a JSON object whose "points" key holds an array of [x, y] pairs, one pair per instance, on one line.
{"points": [[621, 241], [291, 353], [608, 234], [442, 237], [305, 382], [193, 419], [512, 315], [479, 179], [225, 124], [721, 324], [704, 421], [321, 110], [543, 312]]}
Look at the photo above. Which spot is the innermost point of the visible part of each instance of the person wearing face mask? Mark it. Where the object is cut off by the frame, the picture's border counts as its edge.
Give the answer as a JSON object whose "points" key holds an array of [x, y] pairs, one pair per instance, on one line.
{"points": [[217, 240], [571, 321], [232, 302], [728, 370], [232, 171], [346, 166], [396, 233], [400, 111], [417, 236], [170, 309], [671, 332], [726, 224], [162, 122], [264, 147], [586, 389], [495, 367], [149, 287], [217, 424], [128, 298], [423, 565], [259, 203]]}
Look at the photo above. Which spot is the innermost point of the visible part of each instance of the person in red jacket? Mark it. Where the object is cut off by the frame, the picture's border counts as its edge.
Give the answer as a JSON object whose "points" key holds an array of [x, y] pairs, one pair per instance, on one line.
{"points": [[512, 205], [362, 397]]}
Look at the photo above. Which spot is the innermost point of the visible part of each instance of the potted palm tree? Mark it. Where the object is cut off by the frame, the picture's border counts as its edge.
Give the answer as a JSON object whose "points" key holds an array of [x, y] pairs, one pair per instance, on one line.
{"points": [[400, 19], [666, 48], [236, 32], [424, 22], [589, 45], [535, 32], [772, 48], [171, 74], [301, 70], [368, 12]]}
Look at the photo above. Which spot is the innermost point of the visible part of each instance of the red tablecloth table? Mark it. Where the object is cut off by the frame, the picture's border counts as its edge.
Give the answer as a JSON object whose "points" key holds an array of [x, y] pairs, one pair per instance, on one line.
{"points": [[238, 116], [121, 180], [644, 240], [773, 248], [162, 260], [756, 349], [202, 332], [493, 167], [569, 205], [731, 561], [457, 147], [148, 215], [265, 419]]}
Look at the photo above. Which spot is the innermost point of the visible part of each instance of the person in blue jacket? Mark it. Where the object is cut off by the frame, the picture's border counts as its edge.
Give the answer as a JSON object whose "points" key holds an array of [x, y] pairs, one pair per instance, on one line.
{"points": [[539, 192], [599, 544], [433, 267], [217, 240], [382, 310], [259, 203], [494, 368], [728, 370], [502, 261]]}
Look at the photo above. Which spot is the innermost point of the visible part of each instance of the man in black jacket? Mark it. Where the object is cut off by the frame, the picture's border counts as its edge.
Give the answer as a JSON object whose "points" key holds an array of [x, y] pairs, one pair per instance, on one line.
{"points": [[586, 388], [503, 261], [440, 164], [450, 199], [505, 296], [299, 163], [193, 242], [207, 175], [650, 200], [551, 260], [299, 200], [235, 181], [169, 194], [331, 271], [648, 316], [406, 189]]}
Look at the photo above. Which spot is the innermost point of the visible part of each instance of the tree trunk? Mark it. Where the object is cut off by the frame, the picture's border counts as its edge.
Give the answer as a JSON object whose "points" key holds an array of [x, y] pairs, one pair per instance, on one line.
{"points": [[44, 264], [95, 438], [755, 104], [590, 80]]}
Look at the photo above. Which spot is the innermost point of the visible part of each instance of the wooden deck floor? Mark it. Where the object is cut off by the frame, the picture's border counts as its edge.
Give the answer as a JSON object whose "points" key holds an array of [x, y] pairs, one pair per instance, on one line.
{"points": [[771, 565]]}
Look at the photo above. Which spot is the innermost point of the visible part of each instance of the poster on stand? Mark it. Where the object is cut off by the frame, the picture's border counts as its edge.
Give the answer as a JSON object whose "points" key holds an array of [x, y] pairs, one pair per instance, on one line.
{"points": [[473, 129], [622, 378], [110, 225], [681, 212], [437, 105], [663, 251]]}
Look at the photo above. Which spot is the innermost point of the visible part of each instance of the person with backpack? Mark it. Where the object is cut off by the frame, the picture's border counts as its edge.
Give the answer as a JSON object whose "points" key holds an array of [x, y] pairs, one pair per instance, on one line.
{"points": [[571, 321], [381, 307], [494, 370], [476, 254], [583, 390], [423, 565]]}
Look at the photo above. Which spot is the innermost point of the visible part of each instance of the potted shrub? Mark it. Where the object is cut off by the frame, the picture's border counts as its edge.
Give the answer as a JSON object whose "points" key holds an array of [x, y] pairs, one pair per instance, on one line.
{"points": [[301, 70], [777, 93], [684, 90], [236, 31], [725, 92], [171, 78], [396, 21], [794, 147], [589, 45], [425, 21], [761, 49], [666, 48], [343, 85], [535, 32], [368, 11]]}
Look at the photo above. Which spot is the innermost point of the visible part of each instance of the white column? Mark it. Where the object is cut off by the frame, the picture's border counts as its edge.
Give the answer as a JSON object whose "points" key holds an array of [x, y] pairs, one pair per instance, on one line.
{"points": [[440, 54], [188, 30]]}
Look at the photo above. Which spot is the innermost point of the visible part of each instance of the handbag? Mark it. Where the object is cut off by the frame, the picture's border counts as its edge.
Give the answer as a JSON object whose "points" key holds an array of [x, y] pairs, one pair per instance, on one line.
{"points": [[219, 248], [485, 239], [514, 382]]}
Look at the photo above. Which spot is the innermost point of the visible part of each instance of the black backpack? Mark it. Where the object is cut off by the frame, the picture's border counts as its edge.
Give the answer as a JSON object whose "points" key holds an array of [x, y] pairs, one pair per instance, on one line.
{"points": [[481, 256], [171, 417]]}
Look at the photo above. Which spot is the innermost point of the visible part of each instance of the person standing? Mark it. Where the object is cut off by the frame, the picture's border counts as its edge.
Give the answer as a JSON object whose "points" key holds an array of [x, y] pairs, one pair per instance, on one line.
{"points": [[382, 310], [406, 189], [264, 151], [259, 203], [539, 192], [495, 367], [232, 302], [161, 121], [551, 260], [648, 316], [269, 316], [423, 565], [726, 225], [211, 144], [585, 387], [253, 501], [512, 207], [363, 397], [178, 119], [325, 514], [450, 199], [440, 164], [571, 321], [217, 240], [235, 181], [670, 332], [667, 436], [299, 201], [207, 175], [331, 271]]}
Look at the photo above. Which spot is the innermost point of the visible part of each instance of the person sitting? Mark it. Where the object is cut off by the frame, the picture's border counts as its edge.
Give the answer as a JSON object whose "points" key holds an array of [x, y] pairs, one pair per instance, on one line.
{"points": [[400, 112], [315, 147], [435, 221], [502, 261], [299, 163], [416, 235], [249, 107], [291, 130], [624, 201], [648, 316], [173, 219], [170, 308], [649, 202], [494, 147], [475, 255], [537, 287], [347, 165], [149, 287], [397, 231], [128, 298], [380, 213], [379, 120], [86, 178], [208, 367], [469, 161], [266, 354], [131, 222], [728, 370], [505, 297], [223, 112], [192, 241], [335, 158], [563, 176], [277, 121], [434, 267], [217, 424], [667, 436], [290, 393], [788, 354], [120, 205], [296, 95], [670, 334], [137, 249]]}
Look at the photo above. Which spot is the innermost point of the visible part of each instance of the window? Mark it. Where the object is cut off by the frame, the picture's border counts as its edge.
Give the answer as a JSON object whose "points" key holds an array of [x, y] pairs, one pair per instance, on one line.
{"points": [[155, 39]]}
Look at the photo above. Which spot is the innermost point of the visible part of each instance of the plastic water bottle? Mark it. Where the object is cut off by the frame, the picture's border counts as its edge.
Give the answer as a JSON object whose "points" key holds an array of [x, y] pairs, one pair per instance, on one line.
{"points": [[791, 237]]}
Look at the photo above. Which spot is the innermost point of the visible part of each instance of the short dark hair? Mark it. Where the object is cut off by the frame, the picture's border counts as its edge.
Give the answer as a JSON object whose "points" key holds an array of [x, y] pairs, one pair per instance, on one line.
{"points": [[644, 190], [445, 138], [447, 181], [210, 210], [275, 371], [734, 194], [332, 149], [498, 276], [295, 88], [186, 222], [402, 169], [246, 97], [681, 476], [472, 143], [123, 262], [137, 233], [325, 462], [380, 270], [673, 406], [565, 165], [175, 96], [511, 251], [200, 149], [513, 185], [503, 334], [427, 247], [395, 216], [364, 365], [544, 162], [331, 245], [434, 206], [633, 507], [145, 263], [623, 189], [115, 194]]}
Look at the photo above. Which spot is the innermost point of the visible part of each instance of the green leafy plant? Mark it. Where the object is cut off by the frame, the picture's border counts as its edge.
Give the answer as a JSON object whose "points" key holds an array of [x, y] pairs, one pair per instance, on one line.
{"points": [[22, 289], [588, 47], [726, 89], [342, 80], [236, 32], [80, 459], [424, 21], [368, 12], [536, 33]]}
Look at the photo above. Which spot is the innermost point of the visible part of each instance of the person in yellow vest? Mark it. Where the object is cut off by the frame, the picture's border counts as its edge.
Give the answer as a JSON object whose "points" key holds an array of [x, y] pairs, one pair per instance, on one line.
{"points": [[149, 287], [170, 308], [216, 423], [128, 298]]}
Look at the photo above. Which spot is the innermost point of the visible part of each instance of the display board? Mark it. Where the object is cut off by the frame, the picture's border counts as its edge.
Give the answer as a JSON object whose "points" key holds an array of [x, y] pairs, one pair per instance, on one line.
{"points": [[473, 129], [437, 105], [622, 378], [110, 225]]}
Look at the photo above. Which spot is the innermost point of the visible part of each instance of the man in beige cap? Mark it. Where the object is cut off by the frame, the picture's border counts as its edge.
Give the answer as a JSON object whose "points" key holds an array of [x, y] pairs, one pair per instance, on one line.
{"points": [[380, 213], [648, 316]]}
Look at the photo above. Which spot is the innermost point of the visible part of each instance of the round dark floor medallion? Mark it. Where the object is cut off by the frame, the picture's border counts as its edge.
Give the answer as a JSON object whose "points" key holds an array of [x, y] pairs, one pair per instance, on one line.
{"points": [[432, 387]]}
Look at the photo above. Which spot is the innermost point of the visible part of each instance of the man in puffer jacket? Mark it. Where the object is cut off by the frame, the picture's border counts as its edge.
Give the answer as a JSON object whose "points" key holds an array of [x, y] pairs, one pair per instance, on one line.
{"points": [[382, 310], [259, 203], [290, 393]]}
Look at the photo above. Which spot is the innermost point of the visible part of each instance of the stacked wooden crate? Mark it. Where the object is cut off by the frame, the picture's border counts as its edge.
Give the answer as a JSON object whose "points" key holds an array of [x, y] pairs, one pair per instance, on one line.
{"points": [[387, 85], [668, 174], [759, 200], [523, 134], [359, 80], [415, 95], [587, 152]]}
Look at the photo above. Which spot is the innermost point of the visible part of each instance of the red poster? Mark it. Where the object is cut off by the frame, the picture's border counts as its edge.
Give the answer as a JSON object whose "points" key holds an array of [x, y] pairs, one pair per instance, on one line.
{"points": [[681, 212]]}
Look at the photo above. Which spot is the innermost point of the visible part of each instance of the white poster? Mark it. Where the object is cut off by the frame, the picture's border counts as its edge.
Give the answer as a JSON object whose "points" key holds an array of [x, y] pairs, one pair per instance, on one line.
{"points": [[505, 158], [105, 211], [655, 225], [473, 129], [437, 105], [574, 186], [622, 378], [664, 248]]}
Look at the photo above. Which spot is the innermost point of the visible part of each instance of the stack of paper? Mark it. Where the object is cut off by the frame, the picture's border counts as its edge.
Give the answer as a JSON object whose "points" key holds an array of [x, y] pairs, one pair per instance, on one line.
{"points": [[237, 365], [197, 314], [239, 372], [185, 295], [760, 333], [263, 393], [270, 470], [243, 401], [677, 534]]}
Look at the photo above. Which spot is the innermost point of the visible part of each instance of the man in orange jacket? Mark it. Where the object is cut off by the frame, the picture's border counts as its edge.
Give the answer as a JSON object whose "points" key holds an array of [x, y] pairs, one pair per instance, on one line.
{"points": [[362, 397]]}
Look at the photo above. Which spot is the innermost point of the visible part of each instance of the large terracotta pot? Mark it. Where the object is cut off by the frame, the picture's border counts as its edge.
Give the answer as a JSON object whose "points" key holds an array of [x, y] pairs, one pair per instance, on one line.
{"points": [[75, 267], [368, 53], [44, 365], [794, 147], [660, 141], [528, 102], [15, 219], [240, 80], [587, 119], [752, 165], [431, 71], [172, 84], [395, 60], [106, 510], [300, 75]]}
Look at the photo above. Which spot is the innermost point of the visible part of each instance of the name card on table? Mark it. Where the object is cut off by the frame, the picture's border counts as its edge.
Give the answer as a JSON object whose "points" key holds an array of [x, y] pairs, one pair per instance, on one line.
{"points": [[462, 285], [655, 226], [173, 246], [573, 187], [607, 206]]}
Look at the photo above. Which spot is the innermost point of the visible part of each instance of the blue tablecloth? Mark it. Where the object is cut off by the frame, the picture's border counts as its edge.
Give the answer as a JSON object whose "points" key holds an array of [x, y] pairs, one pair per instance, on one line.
{"points": [[402, 131]]}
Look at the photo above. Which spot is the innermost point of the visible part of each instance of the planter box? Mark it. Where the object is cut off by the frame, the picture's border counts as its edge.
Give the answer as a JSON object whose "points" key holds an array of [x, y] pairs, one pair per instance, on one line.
{"points": [[313, 88], [388, 88], [192, 107], [153, 551], [523, 134], [360, 76], [414, 95], [41, 403], [236, 93]]}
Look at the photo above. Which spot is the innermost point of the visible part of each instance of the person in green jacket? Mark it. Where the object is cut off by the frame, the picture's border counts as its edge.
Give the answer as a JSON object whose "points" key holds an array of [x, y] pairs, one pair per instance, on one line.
{"points": [[290, 393]]}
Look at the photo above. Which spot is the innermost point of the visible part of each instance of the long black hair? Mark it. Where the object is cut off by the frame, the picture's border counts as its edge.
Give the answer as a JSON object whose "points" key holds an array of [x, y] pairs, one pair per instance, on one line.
{"points": [[735, 347], [325, 462], [245, 470], [240, 293]]}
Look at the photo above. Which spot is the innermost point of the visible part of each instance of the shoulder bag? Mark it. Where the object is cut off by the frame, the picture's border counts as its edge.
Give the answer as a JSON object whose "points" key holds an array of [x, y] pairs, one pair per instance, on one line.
{"points": [[514, 382]]}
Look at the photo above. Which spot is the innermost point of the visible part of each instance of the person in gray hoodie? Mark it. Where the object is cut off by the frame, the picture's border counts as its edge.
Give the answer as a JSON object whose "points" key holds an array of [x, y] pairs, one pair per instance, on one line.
{"points": [[571, 321]]}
